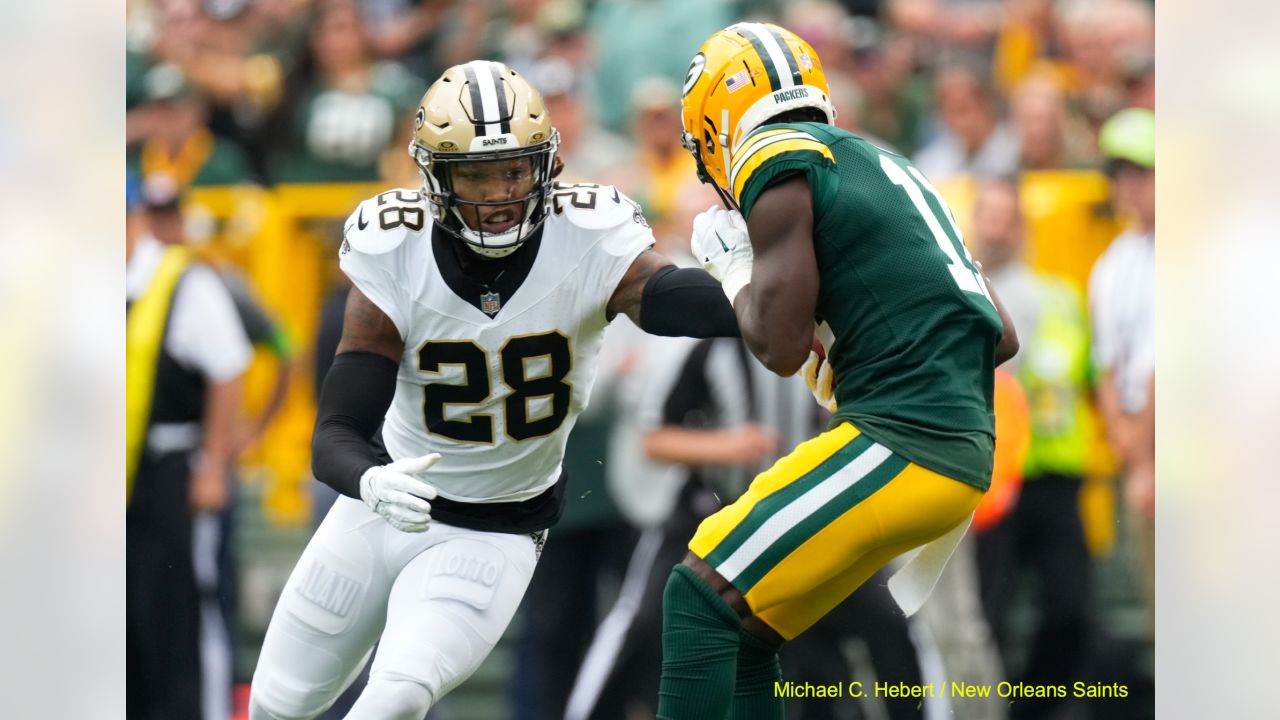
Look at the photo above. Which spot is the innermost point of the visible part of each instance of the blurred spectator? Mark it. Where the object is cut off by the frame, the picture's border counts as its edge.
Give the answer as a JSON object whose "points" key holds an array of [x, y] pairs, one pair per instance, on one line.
{"points": [[186, 352], [895, 98], [1122, 304], [660, 164], [1140, 81], [175, 141], [590, 152], [580, 574], [827, 27], [1101, 39], [636, 39], [1048, 137], [341, 107], [518, 33], [231, 50], [1025, 38], [968, 26], [409, 31], [165, 216], [218, 579], [1044, 535], [973, 139]]}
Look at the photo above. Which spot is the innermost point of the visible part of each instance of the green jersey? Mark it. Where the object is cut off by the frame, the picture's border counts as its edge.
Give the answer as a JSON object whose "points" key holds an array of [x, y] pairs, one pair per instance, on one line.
{"points": [[913, 325]]}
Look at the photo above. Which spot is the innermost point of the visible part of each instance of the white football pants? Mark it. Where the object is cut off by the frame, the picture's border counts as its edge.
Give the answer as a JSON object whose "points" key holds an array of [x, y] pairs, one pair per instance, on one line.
{"points": [[436, 602]]}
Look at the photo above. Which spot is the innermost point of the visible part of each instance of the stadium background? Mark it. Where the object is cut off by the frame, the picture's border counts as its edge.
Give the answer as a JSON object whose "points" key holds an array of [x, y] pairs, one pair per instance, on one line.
{"points": [[274, 160]]}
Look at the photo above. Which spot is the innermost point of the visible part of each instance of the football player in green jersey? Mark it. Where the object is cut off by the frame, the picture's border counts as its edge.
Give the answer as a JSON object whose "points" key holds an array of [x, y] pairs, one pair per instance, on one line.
{"points": [[824, 227]]}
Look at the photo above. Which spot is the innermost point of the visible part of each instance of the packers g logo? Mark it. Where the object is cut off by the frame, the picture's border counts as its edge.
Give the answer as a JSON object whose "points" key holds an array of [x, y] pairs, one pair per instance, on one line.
{"points": [[695, 70], [419, 118]]}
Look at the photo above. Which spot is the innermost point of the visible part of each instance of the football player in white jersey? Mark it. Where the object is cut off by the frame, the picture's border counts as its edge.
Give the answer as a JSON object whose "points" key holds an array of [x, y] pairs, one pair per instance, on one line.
{"points": [[468, 350]]}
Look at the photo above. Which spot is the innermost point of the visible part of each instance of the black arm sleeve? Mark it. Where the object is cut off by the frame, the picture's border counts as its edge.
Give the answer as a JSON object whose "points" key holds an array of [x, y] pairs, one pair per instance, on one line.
{"points": [[686, 302], [356, 394]]}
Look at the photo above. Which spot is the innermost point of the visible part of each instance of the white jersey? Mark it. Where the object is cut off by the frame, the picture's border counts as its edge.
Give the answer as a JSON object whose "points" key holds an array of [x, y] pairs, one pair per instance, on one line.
{"points": [[1122, 300], [494, 391]]}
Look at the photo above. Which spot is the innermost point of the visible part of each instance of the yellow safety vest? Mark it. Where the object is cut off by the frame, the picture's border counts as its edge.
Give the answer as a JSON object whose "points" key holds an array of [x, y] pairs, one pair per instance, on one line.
{"points": [[144, 336]]}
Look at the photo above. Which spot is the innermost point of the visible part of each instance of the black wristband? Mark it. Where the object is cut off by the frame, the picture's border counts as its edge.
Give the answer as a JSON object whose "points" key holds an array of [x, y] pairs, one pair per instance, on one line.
{"points": [[686, 302], [357, 392]]}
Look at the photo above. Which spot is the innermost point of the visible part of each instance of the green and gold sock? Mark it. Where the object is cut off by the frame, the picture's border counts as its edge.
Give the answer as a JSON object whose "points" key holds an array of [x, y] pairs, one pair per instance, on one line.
{"points": [[758, 672], [699, 650]]}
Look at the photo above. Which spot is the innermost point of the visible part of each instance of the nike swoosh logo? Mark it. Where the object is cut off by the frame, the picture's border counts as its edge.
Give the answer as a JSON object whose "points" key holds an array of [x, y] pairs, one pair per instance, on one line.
{"points": [[360, 221], [722, 245]]}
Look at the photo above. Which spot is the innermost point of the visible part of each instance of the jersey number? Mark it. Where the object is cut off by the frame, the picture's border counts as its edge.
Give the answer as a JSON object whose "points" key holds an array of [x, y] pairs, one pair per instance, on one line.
{"points": [[406, 209], [515, 358], [580, 195], [959, 262]]}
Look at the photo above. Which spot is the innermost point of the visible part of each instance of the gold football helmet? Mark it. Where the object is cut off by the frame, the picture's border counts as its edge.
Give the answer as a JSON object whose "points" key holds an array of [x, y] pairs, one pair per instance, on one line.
{"points": [[742, 77], [472, 123]]}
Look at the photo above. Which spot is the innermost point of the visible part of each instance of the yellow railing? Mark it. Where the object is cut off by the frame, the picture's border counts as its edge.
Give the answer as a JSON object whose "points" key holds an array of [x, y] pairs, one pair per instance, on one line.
{"points": [[285, 240]]}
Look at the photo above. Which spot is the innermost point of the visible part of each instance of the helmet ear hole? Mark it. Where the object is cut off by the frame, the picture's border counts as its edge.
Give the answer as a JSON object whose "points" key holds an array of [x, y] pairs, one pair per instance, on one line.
{"points": [[709, 142]]}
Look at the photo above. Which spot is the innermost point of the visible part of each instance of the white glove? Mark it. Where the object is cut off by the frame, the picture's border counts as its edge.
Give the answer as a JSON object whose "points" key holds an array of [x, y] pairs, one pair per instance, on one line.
{"points": [[721, 244], [817, 374], [394, 492]]}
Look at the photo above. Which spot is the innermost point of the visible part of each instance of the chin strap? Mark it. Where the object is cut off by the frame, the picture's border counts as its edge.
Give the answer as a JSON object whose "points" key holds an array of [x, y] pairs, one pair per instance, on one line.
{"points": [[692, 146]]}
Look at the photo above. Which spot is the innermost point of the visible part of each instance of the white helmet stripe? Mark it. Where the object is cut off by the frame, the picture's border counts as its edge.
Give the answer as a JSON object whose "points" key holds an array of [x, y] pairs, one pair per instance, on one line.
{"points": [[777, 53], [481, 81], [504, 113]]}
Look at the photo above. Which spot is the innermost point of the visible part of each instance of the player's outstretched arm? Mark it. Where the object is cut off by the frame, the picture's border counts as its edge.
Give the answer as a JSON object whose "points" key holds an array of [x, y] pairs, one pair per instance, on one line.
{"points": [[775, 310], [356, 394], [663, 299]]}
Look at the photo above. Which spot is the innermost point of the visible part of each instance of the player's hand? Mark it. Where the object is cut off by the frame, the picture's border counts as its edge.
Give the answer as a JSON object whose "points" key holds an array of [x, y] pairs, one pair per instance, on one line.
{"points": [[396, 493], [746, 445], [721, 244], [817, 374], [208, 489], [1140, 489]]}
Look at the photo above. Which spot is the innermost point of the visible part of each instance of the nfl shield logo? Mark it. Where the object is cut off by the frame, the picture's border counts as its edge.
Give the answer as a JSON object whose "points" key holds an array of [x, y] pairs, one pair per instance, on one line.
{"points": [[490, 303]]}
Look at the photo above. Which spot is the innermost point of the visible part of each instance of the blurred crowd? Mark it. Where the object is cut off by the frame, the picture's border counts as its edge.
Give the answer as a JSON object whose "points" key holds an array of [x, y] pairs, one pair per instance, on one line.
{"points": [[1034, 119]]}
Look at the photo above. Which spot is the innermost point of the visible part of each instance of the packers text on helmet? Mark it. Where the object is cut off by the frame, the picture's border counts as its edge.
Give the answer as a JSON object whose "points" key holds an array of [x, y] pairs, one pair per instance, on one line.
{"points": [[742, 77]]}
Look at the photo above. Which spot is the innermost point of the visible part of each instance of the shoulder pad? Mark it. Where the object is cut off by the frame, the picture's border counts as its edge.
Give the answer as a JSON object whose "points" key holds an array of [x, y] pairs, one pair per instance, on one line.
{"points": [[381, 223], [768, 143], [594, 207]]}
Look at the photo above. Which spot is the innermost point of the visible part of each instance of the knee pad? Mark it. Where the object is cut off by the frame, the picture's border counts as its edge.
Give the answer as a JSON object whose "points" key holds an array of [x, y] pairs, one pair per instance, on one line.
{"points": [[392, 698]]}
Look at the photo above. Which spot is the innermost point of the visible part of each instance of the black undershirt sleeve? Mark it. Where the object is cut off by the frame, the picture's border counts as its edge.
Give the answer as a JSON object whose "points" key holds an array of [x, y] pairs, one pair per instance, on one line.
{"points": [[686, 302], [356, 394]]}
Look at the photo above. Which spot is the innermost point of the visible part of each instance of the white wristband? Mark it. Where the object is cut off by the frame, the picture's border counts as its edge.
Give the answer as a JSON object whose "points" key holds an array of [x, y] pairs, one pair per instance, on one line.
{"points": [[735, 280]]}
